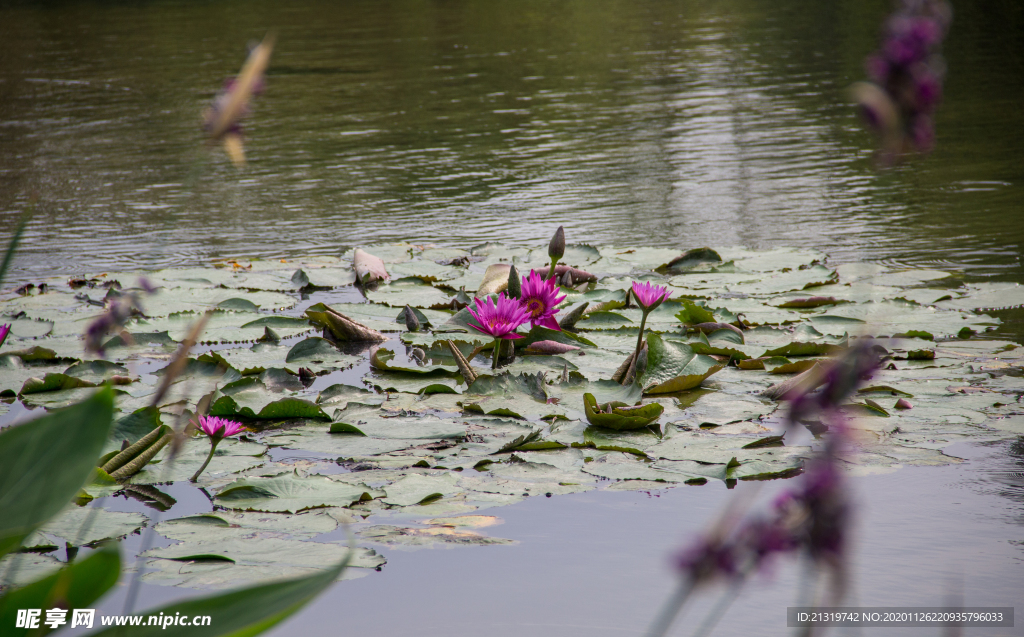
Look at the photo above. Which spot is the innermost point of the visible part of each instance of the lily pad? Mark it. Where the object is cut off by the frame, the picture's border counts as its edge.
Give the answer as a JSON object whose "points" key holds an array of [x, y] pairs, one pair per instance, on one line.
{"points": [[673, 367], [289, 493], [619, 415]]}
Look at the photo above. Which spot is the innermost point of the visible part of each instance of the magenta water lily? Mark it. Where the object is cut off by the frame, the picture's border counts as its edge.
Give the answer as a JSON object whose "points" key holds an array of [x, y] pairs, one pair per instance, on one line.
{"points": [[540, 298], [498, 321], [648, 297], [216, 429], [4, 331]]}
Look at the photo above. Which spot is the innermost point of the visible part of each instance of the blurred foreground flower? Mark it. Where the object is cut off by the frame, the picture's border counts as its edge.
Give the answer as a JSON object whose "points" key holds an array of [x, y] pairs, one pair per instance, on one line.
{"points": [[119, 310], [4, 331], [222, 119], [906, 76], [812, 517], [216, 429], [540, 298]]}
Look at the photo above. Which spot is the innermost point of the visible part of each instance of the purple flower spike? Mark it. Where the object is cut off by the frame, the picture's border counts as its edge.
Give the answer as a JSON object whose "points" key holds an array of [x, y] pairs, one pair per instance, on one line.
{"points": [[4, 331], [215, 427], [707, 560], [501, 320], [540, 298], [649, 296]]}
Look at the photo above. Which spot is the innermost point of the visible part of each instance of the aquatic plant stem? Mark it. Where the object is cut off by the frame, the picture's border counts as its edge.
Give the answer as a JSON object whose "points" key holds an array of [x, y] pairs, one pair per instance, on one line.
{"points": [[551, 270], [726, 600], [496, 353], [213, 447], [640, 337], [671, 609]]}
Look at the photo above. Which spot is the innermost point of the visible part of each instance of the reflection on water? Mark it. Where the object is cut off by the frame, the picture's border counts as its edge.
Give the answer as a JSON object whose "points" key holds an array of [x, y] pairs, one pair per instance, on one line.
{"points": [[668, 123]]}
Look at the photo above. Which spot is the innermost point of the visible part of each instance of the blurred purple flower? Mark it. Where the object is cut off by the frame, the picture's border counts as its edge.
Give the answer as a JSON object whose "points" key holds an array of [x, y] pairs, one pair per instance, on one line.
{"points": [[707, 560], [906, 78], [119, 310], [4, 331]]}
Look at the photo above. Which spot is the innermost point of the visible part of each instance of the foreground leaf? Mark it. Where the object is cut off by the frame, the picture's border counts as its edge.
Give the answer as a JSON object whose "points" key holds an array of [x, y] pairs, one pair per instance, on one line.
{"points": [[243, 612], [77, 585], [44, 463]]}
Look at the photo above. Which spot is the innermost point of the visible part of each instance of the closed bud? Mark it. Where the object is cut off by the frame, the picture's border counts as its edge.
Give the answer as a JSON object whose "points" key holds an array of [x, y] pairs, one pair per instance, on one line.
{"points": [[556, 249], [412, 322], [515, 284]]}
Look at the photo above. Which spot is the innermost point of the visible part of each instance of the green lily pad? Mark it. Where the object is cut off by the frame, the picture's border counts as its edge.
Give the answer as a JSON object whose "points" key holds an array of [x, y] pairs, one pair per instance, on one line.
{"points": [[83, 526], [319, 354], [619, 415], [673, 367], [289, 493]]}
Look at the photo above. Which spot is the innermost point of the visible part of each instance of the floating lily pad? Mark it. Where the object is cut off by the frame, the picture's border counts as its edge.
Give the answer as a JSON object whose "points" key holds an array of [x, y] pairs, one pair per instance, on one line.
{"points": [[619, 415], [673, 367], [289, 493]]}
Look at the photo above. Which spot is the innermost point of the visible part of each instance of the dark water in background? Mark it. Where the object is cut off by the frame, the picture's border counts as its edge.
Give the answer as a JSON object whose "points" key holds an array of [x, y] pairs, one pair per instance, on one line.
{"points": [[668, 123], [657, 123]]}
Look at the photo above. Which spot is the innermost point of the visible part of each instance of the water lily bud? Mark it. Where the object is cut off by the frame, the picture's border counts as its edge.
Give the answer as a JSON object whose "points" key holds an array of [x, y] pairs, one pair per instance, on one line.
{"points": [[411, 320], [567, 279], [515, 284], [419, 354], [556, 249]]}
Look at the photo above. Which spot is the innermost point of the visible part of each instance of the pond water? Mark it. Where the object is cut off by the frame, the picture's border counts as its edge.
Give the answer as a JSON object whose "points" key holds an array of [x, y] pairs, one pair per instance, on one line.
{"points": [[661, 123], [667, 123]]}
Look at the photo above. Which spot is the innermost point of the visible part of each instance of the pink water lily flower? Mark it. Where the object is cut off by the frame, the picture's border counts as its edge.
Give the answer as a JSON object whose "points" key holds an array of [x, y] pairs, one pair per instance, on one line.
{"points": [[649, 296], [499, 321], [4, 331], [216, 430], [216, 427], [540, 298]]}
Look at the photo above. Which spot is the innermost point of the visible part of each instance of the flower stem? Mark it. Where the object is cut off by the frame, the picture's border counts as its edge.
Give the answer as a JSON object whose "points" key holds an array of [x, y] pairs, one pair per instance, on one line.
{"points": [[640, 338], [497, 352], [213, 447], [551, 270]]}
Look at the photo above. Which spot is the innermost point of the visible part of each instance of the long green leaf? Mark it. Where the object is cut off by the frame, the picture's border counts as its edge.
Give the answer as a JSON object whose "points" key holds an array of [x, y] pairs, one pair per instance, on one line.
{"points": [[77, 586], [44, 463], [13, 245], [238, 613]]}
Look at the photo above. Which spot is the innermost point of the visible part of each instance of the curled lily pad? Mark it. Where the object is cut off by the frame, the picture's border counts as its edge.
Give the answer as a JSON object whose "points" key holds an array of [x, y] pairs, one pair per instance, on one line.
{"points": [[495, 279], [369, 269], [619, 415], [690, 259], [692, 314], [342, 327], [384, 359], [53, 382]]}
